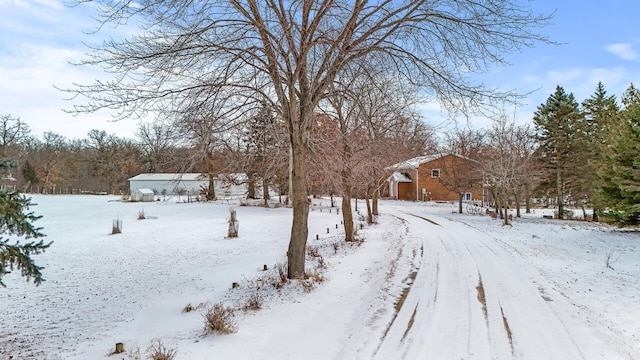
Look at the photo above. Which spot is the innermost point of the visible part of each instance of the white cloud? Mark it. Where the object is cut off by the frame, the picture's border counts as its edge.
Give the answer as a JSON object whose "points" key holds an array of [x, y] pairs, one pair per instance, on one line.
{"points": [[561, 77], [623, 50]]}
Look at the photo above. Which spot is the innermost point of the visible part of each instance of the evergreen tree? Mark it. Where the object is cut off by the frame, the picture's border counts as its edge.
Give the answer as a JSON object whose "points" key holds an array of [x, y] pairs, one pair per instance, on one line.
{"points": [[29, 173], [264, 148], [601, 113], [17, 220], [620, 173], [558, 130]]}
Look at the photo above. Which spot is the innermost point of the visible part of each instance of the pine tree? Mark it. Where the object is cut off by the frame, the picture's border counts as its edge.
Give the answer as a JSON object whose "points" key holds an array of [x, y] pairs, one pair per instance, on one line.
{"points": [[558, 131], [620, 173], [601, 113], [29, 173], [17, 220]]}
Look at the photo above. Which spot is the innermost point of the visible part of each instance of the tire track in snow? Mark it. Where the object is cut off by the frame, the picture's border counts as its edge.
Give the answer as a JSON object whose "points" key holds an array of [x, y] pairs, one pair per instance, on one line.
{"points": [[443, 316], [398, 259], [429, 303]]}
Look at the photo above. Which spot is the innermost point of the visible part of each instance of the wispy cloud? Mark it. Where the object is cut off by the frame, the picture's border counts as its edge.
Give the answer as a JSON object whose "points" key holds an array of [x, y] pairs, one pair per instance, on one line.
{"points": [[51, 4], [623, 50], [564, 76]]}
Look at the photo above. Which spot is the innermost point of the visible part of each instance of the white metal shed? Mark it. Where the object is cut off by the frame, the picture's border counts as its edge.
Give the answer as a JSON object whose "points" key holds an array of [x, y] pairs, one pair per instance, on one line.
{"points": [[169, 183], [142, 194]]}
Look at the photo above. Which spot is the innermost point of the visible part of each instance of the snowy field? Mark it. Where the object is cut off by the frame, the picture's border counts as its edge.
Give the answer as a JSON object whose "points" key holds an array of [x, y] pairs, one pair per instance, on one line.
{"points": [[424, 283]]}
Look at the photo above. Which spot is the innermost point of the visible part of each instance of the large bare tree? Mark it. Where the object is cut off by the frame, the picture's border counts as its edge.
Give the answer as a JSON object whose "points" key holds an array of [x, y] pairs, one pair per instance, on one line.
{"points": [[13, 131], [508, 163], [291, 51], [157, 143]]}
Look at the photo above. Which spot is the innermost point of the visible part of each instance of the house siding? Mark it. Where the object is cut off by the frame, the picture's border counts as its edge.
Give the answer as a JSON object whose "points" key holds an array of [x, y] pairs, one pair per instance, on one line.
{"points": [[435, 190]]}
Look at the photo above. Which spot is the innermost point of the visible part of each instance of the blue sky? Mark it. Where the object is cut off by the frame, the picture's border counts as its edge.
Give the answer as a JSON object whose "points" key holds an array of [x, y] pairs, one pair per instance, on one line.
{"points": [[600, 41]]}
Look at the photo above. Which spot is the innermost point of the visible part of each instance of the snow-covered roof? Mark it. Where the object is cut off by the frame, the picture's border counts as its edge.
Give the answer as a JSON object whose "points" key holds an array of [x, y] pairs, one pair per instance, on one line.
{"points": [[417, 161], [169, 177], [399, 177]]}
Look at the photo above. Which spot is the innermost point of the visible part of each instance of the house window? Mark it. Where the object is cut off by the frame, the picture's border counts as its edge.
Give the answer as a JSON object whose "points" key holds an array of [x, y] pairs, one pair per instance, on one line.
{"points": [[435, 173], [466, 197]]}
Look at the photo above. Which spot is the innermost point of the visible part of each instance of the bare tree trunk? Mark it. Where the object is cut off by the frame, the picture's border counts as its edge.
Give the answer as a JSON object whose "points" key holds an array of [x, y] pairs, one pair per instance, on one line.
{"points": [[265, 192], [347, 217], [369, 213], [374, 202], [560, 197], [298, 197], [515, 195], [505, 216], [502, 210], [211, 191], [251, 186], [460, 196], [527, 196]]}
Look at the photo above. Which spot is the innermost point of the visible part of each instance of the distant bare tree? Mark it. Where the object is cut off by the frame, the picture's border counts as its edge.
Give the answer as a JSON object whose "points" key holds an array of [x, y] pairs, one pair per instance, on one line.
{"points": [[462, 171], [13, 131], [291, 51], [112, 159], [207, 123], [157, 143], [509, 163], [49, 165]]}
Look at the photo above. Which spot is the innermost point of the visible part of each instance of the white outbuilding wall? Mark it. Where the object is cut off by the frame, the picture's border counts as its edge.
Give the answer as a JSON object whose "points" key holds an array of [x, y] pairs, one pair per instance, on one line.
{"points": [[169, 183], [226, 185]]}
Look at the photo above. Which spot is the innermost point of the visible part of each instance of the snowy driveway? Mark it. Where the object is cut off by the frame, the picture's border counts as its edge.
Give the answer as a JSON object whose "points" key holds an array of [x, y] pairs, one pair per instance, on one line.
{"points": [[469, 300]]}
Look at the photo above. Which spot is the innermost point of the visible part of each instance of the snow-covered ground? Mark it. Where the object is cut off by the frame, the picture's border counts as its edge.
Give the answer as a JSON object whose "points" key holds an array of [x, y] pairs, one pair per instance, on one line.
{"points": [[424, 283]]}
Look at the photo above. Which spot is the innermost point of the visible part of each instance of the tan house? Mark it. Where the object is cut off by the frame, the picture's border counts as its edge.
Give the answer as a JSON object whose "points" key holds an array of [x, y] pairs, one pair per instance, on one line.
{"points": [[439, 177]]}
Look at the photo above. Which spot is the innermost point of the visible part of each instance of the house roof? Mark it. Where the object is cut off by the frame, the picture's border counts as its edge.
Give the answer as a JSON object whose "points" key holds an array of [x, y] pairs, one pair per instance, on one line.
{"points": [[399, 177], [169, 177], [417, 161]]}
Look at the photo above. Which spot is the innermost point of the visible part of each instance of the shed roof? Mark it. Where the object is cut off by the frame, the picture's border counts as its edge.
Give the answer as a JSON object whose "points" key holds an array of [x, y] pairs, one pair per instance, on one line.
{"points": [[169, 177]]}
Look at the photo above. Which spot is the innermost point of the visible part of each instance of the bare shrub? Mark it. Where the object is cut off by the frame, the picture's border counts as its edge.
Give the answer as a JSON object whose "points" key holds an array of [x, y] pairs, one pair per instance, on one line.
{"points": [[611, 259], [307, 285], [282, 272], [253, 303], [315, 276], [134, 353], [116, 227], [336, 247], [141, 215], [219, 320], [158, 351], [313, 251]]}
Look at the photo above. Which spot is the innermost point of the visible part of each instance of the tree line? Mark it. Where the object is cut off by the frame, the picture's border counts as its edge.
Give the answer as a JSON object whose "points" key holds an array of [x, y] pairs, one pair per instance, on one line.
{"points": [[583, 155], [589, 152]]}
